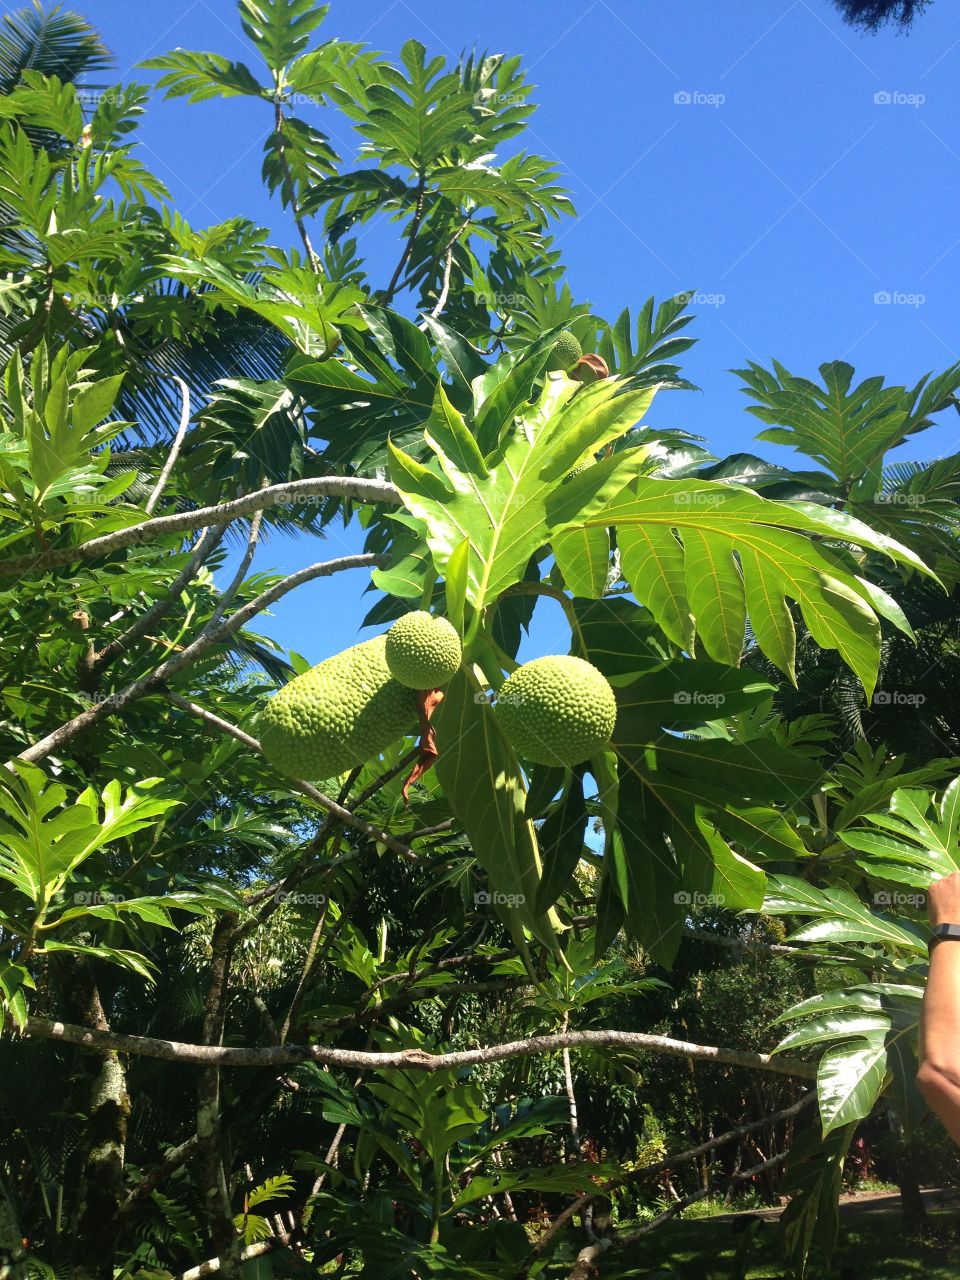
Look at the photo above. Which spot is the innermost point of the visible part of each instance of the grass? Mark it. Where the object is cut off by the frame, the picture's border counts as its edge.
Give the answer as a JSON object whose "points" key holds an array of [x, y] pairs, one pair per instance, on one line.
{"points": [[871, 1247]]}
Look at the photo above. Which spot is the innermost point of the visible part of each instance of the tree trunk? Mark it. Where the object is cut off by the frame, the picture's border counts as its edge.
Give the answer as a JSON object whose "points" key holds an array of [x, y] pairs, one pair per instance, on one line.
{"points": [[225, 1242], [908, 1180], [12, 1253], [102, 1191]]}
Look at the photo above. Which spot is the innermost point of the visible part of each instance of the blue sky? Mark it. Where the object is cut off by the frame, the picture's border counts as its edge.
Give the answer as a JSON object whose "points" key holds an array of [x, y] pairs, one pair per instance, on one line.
{"points": [[790, 169]]}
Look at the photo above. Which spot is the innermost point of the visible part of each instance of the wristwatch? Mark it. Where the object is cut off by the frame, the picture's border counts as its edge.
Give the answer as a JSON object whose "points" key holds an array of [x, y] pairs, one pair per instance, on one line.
{"points": [[944, 933]]}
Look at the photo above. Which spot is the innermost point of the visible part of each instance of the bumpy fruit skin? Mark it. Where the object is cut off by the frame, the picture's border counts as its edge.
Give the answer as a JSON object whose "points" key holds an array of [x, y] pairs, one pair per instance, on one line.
{"points": [[337, 715], [557, 710], [566, 353], [423, 652]]}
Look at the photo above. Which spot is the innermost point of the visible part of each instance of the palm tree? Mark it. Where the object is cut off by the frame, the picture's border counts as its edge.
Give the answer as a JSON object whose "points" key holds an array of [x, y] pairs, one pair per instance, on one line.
{"points": [[871, 14], [51, 41]]}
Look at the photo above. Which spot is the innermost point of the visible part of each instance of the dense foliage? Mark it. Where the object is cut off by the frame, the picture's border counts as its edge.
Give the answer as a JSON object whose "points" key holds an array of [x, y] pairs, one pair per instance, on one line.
{"points": [[395, 1022]]}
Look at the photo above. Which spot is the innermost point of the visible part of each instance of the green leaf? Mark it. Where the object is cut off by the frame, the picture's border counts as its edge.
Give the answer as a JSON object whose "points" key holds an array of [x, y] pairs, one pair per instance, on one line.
{"points": [[484, 787], [850, 1078], [847, 431], [583, 556], [280, 29], [813, 1180], [199, 76], [503, 511], [677, 539]]}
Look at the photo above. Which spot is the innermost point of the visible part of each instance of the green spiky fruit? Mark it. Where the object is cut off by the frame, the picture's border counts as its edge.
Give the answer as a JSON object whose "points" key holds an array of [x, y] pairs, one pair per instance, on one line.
{"points": [[423, 652], [337, 715], [566, 353], [557, 710]]}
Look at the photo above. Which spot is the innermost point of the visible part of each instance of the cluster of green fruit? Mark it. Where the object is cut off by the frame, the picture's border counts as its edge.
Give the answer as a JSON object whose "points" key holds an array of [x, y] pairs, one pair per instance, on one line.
{"points": [[347, 710]]}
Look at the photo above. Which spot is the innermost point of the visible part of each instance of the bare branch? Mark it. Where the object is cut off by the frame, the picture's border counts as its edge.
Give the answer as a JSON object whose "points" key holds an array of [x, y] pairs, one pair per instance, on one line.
{"points": [[447, 268], [171, 1160], [411, 239], [276, 495], [652, 1170], [213, 1265], [250, 551], [584, 1268], [208, 638], [208, 542], [408, 1059], [174, 448]]}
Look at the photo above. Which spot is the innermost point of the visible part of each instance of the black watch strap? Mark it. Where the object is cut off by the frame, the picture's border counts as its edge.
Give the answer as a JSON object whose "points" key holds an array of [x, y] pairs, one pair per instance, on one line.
{"points": [[944, 933]]}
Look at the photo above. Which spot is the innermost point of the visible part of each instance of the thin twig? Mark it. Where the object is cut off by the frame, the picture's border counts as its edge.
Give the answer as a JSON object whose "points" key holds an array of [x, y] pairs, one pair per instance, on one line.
{"points": [[208, 541], [411, 238], [653, 1170], [174, 448]]}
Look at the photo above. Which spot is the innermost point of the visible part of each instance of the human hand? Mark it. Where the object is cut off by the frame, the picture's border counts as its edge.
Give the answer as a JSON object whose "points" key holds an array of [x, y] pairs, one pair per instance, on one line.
{"points": [[943, 900]]}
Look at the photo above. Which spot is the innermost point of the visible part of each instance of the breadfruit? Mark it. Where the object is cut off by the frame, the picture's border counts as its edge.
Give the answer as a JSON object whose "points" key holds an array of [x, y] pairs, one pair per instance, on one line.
{"points": [[423, 652], [557, 710], [337, 715], [566, 352]]}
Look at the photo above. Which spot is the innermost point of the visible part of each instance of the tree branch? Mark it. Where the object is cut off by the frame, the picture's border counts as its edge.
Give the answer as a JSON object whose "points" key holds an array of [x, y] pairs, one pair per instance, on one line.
{"points": [[584, 1269], [411, 238], [276, 495], [208, 638], [172, 1159], [174, 448], [407, 1059], [207, 543], [651, 1171]]}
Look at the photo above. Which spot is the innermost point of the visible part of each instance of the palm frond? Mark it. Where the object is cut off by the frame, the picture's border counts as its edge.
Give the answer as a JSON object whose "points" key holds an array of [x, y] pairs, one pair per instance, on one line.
{"points": [[55, 42]]}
